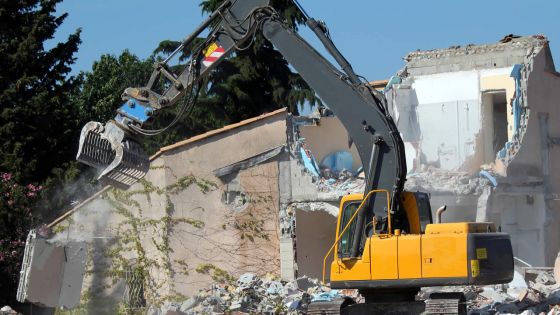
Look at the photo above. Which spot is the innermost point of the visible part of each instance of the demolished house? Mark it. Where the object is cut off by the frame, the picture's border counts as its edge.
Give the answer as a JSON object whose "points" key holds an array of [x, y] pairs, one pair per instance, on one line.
{"points": [[262, 195], [478, 126]]}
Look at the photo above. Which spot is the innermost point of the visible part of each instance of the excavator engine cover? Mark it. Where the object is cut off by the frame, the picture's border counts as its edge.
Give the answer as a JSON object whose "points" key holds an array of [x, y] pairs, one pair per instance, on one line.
{"points": [[122, 160]]}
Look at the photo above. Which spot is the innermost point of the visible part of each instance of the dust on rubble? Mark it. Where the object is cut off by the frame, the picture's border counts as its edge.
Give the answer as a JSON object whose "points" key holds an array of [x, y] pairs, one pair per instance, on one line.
{"points": [[251, 294]]}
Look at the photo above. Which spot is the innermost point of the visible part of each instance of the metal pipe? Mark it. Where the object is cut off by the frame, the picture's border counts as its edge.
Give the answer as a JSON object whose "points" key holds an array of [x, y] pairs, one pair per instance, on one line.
{"points": [[439, 212]]}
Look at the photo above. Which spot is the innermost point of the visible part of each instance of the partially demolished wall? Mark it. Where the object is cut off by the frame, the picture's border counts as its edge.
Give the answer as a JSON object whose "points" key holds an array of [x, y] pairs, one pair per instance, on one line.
{"points": [[474, 120]]}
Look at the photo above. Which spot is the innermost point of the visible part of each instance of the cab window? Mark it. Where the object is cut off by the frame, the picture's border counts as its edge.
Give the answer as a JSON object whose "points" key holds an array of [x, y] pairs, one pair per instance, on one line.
{"points": [[345, 242]]}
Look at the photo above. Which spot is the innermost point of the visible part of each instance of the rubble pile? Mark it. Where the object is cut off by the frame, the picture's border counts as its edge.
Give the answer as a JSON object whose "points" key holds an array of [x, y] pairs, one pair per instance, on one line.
{"points": [[540, 295], [252, 295], [432, 179], [332, 186]]}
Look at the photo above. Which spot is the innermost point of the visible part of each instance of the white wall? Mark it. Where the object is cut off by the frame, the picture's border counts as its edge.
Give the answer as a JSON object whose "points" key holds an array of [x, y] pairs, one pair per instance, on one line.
{"points": [[449, 115]]}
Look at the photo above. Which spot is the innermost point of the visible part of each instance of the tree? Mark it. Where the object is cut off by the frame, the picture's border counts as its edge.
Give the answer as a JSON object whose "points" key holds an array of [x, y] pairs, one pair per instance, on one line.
{"points": [[100, 93], [251, 82], [37, 123], [16, 216]]}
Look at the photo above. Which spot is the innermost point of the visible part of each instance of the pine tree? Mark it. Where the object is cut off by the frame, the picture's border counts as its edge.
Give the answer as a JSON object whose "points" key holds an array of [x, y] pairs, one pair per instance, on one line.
{"points": [[38, 125]]}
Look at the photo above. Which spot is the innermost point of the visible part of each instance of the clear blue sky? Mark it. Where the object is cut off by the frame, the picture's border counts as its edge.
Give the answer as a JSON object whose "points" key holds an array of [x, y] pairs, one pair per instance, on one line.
{"points": [[373, 35]]}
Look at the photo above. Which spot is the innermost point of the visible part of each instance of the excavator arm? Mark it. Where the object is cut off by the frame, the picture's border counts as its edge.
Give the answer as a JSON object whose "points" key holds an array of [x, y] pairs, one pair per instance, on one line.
{"points": [[114, 147]]}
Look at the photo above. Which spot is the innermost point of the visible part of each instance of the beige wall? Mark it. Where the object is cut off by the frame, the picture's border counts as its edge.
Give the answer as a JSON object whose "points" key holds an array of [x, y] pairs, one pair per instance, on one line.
{"points": [[227, 239], [499, 82], [535, 225], [159, 220], [543, 91]]}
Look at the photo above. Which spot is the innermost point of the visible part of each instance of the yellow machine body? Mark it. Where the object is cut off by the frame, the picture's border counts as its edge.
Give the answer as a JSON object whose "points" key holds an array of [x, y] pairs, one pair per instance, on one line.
{"points": [[426, 254]]}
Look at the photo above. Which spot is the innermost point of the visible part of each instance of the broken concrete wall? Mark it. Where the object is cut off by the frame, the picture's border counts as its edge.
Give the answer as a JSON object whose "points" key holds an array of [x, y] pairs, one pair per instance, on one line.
{"points": [[122, 238], [486, 107], [523, 216], [540, 146], [52, 273], [182, 226], [315, 233]]}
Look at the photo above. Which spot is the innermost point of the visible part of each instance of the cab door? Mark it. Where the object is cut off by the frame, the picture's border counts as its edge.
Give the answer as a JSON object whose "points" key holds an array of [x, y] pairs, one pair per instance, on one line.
{"points": [[345, 267]]}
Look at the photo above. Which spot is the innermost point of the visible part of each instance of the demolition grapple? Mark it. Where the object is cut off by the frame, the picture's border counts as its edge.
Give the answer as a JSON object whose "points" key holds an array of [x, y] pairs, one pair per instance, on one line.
{"points": [[113, 147], [122, 160]]}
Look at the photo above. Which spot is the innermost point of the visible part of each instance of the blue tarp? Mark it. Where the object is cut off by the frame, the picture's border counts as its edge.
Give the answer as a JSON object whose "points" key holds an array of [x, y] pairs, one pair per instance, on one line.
{"points": [[325, 296], [516, 104], [393, 80], [338, 161], [309, 162]]}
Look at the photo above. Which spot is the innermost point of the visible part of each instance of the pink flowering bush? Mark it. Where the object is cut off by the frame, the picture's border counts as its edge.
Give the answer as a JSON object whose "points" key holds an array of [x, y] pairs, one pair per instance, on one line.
{"points": [[16, 218]]}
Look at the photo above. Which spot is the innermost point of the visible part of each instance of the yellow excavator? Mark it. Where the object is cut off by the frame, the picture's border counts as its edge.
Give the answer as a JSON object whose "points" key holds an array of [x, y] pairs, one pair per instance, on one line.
{"points": [[386, 244]]}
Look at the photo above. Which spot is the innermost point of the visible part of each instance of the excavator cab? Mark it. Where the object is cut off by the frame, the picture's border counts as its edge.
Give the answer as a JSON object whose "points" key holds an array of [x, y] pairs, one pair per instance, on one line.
{"points": [[417, 216]]}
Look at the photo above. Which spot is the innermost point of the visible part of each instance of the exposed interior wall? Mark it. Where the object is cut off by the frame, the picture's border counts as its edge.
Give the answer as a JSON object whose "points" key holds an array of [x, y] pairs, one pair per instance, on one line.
{"points": [[315, 234], [328, 137], [495, 125], [494, 81], [450, 110]]}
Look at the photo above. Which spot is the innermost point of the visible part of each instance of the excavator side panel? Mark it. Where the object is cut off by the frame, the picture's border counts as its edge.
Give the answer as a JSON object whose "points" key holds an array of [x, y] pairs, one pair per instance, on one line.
{"points": [[410, 258], [353, 269], [444, 255], [384, 261]]}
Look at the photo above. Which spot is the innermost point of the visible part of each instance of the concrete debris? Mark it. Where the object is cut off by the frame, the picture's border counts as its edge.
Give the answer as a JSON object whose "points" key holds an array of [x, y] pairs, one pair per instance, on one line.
{"points": [[539, 297], [5, 310], [251, 294], [431, 179], [332, 188]]}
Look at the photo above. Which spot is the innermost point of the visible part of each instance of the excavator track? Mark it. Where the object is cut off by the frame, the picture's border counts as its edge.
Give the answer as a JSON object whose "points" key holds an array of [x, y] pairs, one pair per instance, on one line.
{"points": [[333, 307], [446, 303]]}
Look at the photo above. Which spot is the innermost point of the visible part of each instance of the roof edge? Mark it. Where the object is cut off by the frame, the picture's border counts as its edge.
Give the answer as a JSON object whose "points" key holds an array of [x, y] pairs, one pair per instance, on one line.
{"points": [[216, 132]]}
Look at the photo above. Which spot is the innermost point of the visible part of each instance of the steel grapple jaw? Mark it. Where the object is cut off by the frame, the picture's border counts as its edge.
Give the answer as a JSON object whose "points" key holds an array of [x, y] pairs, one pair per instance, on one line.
{"points": [[121, 159]]}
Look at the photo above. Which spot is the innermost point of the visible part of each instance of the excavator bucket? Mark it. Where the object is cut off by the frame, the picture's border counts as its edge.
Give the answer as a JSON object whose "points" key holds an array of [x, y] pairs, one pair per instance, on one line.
{"points": [[121, 160]]}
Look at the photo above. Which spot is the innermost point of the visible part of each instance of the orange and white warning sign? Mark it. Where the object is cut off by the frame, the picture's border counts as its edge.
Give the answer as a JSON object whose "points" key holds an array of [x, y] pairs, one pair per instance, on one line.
{"points": [[212, 53]]}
